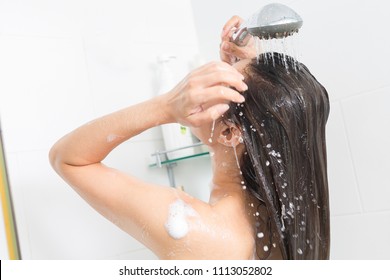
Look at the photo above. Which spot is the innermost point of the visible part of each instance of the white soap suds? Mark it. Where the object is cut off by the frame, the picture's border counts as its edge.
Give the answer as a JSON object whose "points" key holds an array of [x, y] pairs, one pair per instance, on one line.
{"points": [[177, 224]]}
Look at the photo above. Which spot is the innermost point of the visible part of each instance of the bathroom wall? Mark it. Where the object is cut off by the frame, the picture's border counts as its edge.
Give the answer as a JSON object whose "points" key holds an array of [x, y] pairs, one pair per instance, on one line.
{"points": [[345, 45], [63, 63]]}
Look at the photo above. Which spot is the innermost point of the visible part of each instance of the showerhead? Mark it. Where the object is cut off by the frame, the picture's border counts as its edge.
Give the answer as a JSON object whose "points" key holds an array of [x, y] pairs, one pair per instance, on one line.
{"points": [[272, 21]]}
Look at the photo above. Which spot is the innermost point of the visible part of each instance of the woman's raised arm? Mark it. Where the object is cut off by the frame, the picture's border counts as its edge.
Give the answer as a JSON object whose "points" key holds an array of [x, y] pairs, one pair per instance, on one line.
{"points": [[132, 204]]}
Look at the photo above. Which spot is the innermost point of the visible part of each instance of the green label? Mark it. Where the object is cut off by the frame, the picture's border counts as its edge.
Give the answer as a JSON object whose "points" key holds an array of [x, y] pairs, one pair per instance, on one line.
{"points": [[183, 130]]}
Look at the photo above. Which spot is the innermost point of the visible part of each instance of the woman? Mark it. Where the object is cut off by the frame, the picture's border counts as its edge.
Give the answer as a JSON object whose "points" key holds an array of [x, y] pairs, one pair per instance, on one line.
{"points": [[269, 197]]}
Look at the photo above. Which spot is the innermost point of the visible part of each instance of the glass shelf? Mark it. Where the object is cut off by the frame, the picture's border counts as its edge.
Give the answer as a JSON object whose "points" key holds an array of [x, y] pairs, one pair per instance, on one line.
{"points": [[174, 160], [170, 163]]}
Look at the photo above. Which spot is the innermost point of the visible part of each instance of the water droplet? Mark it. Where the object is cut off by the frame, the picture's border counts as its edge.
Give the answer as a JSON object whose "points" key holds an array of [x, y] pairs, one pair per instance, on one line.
{"points": [[265, 248], [299, 251], [268, 146], [235, 154], [212, 132], [267, 163], [272, 153], [260, 235]]}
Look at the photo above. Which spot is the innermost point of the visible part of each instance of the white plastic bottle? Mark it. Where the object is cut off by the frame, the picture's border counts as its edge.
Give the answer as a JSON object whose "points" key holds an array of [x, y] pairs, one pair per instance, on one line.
{"points": [[174, 134]]}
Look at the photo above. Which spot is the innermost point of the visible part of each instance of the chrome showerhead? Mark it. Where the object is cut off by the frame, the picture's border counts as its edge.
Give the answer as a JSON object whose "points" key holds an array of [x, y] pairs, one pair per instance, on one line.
{"points": [[272, 21]]}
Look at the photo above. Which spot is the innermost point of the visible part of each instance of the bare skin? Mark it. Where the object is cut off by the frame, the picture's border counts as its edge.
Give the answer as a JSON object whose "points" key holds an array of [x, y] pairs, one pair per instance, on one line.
{"points": [[221, 229]]}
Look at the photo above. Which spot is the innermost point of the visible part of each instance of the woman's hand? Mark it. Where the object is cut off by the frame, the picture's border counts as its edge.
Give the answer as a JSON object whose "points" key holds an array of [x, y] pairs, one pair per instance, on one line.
{"points": [[204, 95], [229, 51]]}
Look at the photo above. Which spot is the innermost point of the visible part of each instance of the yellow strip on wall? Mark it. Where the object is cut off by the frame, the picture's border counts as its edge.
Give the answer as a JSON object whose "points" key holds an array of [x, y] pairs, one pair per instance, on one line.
{"points": [[5, 198]]}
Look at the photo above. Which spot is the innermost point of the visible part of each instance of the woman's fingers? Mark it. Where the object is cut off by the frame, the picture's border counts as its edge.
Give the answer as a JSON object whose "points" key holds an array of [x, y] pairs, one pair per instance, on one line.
{"points": [[208, 115], [226, 56], [231, 49], [229, 52], [217, 94], [211, 89], [227, 31], [212, 103], [214, 66], [233, 23], [210, 79]]}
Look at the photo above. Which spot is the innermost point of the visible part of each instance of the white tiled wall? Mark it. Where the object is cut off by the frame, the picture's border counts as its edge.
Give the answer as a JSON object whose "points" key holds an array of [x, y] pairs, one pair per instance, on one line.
{"points": [[344, 44], [63, 63]]}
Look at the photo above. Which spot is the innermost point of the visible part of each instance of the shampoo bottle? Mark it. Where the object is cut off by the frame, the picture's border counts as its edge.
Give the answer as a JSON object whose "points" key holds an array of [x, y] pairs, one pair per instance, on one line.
{"points": [[175, 135]]}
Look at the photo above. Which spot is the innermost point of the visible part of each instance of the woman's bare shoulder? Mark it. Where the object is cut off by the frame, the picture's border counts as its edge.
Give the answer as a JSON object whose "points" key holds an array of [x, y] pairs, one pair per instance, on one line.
{"points": [[197, 230]]}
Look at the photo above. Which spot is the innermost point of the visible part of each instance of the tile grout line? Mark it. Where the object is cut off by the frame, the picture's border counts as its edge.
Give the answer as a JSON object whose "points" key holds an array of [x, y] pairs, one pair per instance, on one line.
{"points": [[360, 93], [362, 208], [364, 213]]}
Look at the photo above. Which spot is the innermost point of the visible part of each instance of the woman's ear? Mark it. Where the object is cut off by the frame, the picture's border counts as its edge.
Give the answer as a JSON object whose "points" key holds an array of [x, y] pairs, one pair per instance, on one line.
{"points": [[230, 135]]}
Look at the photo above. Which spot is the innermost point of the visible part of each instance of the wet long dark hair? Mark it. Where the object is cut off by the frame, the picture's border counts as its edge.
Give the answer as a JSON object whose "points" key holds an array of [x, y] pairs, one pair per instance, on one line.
{"points": [[284, 165]]}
